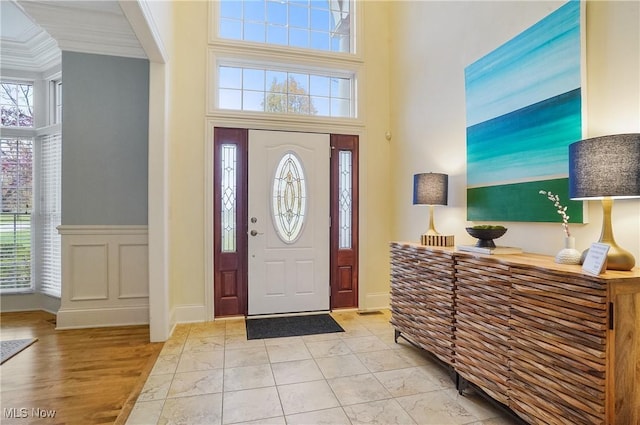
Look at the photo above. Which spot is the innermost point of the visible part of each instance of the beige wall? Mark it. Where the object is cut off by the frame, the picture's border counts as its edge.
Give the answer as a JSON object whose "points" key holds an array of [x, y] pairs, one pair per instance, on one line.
{"points": [[186, 152], [613, 102], [187, 164], [375, 182], [413, 84], [431, 44]]}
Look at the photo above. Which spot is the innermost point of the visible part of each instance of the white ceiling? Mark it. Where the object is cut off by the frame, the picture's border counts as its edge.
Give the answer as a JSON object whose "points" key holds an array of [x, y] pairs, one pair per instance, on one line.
{"points": [[16, 26], [32, 33], [23, 44]]}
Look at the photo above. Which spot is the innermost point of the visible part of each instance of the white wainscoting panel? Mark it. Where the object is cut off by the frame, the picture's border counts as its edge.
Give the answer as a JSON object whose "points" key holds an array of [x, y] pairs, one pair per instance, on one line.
{"points": [[133, 270], [105, 276], [88, 266]]}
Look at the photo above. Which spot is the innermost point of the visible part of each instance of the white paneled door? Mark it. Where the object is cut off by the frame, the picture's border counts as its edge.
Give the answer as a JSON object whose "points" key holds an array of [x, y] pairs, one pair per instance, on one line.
{"points": [[288, 222]]}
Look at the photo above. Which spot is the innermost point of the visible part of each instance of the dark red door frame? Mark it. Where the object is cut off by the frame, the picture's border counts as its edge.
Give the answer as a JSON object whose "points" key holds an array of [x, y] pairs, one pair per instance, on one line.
{"points": [[344, 261], [230, 268]]}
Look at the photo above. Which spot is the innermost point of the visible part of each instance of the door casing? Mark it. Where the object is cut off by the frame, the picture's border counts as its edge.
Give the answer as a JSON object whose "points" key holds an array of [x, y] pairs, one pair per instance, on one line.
{"points": [[230, 288]]}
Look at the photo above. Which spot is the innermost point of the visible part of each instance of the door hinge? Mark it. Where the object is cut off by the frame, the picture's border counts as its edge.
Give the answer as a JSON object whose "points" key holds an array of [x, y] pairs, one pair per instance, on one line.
{"points": [[611, 315]]}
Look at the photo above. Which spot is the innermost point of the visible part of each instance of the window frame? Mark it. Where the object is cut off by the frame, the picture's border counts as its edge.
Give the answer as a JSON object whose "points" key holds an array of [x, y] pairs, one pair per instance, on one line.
{"points": [[224, 56], [55, 100], [240, 53], [32, 83], [293, 68], [31, 287], [43, 127], [355, 37]]}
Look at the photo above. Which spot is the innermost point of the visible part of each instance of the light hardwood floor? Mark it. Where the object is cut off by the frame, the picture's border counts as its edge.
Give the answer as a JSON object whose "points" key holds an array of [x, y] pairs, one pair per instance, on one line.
{"points": [[87, 376]]}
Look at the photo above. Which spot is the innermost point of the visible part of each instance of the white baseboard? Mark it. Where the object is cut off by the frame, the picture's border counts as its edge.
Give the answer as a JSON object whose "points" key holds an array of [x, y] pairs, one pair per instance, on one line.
{"points": [[376, 301], [49, 304], [102, 317], [188, 314], [29, 302]]}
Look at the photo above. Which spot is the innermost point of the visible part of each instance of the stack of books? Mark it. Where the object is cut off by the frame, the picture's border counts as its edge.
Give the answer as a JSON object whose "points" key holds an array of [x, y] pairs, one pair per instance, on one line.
{"points": [[497, 250]]}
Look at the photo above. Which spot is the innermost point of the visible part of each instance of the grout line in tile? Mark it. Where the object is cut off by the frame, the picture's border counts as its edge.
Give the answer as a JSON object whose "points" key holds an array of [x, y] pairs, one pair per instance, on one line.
{"points": [[375, 330]]}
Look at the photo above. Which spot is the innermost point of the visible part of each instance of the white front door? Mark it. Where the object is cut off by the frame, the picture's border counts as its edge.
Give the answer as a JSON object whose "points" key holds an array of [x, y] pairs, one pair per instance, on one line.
{"points": [[288, 222]]}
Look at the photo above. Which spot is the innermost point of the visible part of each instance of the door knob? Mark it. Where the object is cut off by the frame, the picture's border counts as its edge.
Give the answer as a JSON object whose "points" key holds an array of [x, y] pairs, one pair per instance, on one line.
{"points": [[254, 233]]}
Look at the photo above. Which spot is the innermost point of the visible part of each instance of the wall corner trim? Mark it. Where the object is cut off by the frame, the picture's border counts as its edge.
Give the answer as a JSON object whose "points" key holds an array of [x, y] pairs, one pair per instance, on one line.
{"points": [[144, 26]]}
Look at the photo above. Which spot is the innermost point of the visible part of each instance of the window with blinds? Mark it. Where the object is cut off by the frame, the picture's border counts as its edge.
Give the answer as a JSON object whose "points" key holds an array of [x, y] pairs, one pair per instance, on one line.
{"points": [[30, 182], [16, 183], [49, 214]]}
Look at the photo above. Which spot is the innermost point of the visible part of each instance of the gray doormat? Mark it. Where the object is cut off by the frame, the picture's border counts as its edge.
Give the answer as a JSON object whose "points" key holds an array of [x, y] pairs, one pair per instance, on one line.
{"points": [[12, 347], [278, 327]]}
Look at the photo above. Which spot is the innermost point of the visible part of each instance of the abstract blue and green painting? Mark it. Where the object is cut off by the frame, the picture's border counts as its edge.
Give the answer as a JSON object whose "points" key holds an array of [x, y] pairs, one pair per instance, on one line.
{"points": [[524, 108]]}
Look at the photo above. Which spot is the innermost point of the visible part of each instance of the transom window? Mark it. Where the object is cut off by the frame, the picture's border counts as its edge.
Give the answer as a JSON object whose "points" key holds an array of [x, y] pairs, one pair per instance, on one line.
{"points": [[16, 104], [270, 90], [311, 24], [288, 57]]}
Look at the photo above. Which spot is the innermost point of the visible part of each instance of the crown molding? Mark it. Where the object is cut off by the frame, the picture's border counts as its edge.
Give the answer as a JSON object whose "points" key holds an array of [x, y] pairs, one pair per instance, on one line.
{"points": [[36, 55], [98, 27]]}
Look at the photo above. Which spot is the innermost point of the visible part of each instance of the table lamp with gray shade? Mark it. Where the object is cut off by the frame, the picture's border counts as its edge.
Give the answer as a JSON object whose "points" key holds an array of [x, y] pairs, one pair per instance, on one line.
{"points": [[607, 168], [432, 189]]}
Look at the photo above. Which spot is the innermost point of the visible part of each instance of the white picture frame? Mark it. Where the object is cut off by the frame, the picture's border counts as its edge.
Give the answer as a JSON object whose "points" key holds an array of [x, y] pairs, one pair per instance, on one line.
{"points": [[596, 260]]}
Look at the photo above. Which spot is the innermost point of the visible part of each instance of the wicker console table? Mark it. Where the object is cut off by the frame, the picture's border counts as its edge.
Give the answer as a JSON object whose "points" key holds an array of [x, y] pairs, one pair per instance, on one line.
{"points": [[422, 297], [552, 343]]}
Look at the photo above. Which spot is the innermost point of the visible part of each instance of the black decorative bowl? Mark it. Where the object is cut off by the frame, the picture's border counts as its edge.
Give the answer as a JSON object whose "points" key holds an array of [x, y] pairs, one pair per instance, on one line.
{"points": [[486, 236]]}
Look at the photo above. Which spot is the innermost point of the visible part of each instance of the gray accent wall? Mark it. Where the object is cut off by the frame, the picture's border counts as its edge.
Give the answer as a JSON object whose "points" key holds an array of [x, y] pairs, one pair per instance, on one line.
{"points": [[105, 122]]}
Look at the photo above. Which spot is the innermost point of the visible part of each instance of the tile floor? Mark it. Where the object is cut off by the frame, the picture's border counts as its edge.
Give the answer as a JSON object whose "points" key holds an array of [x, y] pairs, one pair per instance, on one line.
{"points": [[209, 373]]}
